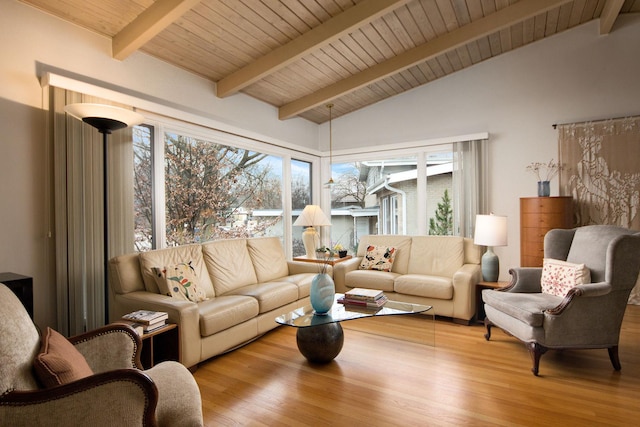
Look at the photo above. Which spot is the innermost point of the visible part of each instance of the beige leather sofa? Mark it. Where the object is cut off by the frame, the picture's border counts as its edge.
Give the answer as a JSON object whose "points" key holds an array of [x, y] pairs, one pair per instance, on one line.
{"points": [[441, 271], [248, 283]]}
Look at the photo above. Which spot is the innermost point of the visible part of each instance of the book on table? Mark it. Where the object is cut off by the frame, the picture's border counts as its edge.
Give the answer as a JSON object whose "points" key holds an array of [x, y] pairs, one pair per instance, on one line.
{"points": [[147, 317], [153, 326], [363, 294], [138, 327], [379, 302]]}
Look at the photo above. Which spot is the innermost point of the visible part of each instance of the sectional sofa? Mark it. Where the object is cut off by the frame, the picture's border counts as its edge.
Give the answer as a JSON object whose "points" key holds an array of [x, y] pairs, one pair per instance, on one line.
{"points": [[441, 271], [238, 287]]}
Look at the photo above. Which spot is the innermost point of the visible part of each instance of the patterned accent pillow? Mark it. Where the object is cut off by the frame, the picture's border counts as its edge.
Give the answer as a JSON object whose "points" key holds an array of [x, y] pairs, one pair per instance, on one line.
{"points": [[378, 258], [179, 281], [558, 277], [59, 362]]}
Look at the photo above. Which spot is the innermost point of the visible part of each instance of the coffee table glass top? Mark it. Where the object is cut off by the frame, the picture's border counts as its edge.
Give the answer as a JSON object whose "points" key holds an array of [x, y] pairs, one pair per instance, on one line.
{"points": [[304, 316]]}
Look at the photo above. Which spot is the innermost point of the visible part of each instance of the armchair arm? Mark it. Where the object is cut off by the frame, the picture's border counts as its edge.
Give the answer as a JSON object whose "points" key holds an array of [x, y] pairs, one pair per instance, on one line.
{"points": [[524, 279], [121, 397], [341, 269], [114, 346], [586, 290]]}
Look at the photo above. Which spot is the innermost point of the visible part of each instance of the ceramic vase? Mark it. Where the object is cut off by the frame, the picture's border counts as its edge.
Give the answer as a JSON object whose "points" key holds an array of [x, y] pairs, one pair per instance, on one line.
{"points": [[544, 190], [322, 294]]}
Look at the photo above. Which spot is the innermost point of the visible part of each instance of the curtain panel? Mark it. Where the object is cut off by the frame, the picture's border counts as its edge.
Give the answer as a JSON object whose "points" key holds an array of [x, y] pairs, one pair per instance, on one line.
{"points": [[470, 165], [600, 170], [78, 210]]}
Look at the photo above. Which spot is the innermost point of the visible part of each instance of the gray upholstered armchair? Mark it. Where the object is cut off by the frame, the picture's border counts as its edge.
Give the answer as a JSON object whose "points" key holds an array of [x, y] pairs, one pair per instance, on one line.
{"points": [[590, 314], [115, 392]]}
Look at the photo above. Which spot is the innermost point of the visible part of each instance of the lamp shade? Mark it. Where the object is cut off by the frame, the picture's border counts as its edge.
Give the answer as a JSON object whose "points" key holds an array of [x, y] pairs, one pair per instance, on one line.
{"points": [[491, 230], [105, 118], [312, 216]]}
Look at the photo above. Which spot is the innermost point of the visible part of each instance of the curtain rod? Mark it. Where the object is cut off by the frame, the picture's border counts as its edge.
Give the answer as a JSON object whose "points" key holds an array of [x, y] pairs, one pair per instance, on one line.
{"points": [[555, 125]]}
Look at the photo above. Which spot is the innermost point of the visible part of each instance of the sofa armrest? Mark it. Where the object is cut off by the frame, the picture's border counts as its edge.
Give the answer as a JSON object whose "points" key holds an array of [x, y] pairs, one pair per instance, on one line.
{"points": [[184, 313], [464, 291], [301, 267], [121, 397], [340, 271], [114, 346]]}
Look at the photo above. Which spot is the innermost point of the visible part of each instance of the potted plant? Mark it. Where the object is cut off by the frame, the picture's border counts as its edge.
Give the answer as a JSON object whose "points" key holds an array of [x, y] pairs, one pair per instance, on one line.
{"points": [[342, 252], [324, 252]]}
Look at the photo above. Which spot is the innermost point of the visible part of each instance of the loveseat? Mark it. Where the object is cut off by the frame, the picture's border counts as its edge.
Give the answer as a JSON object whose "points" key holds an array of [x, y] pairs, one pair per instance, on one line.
{"points": [[441, 271], [240, 286]]}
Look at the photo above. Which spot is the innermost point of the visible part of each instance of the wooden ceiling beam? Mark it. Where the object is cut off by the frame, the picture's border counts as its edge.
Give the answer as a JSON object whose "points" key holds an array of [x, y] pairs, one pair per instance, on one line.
{"points": [[609, 14], [314, 39], [482, 27], [147, 25]]}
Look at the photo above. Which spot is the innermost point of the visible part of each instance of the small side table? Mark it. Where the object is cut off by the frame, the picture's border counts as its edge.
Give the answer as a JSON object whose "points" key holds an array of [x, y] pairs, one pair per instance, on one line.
{"points": [[160, 345], [22, 286], [480, 286], [331, 261]]}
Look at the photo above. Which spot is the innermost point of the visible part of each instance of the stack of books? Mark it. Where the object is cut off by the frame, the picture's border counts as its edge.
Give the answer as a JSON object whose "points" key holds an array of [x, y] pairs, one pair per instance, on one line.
{"points": [[149, 320], [367, 298]]}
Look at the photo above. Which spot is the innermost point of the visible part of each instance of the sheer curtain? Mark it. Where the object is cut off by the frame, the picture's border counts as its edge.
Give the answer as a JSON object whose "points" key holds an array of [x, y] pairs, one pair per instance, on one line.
{"points": [[470, 164], [600, 170], [78, 211]]}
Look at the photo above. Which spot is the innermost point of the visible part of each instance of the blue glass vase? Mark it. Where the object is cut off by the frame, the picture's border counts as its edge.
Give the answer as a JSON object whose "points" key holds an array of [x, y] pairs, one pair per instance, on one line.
{"points": [[544, 190], [323, 291]]}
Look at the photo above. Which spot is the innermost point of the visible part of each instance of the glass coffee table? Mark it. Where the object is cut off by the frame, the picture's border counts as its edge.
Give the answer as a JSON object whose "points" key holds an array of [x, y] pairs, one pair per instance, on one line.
{"points": [[320, 337]]}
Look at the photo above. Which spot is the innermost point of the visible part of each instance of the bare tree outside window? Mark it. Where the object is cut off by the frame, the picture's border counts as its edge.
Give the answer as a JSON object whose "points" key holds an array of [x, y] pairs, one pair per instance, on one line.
{"points": [[212, 189], [142, 187]]}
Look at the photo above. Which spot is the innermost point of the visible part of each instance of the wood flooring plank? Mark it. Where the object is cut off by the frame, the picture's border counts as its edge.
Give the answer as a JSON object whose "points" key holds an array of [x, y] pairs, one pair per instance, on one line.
{"points": [[463, 380]]}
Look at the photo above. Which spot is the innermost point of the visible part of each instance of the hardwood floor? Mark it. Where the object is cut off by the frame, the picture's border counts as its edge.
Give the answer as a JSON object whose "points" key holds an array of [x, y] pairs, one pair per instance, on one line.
{"points": [[463, 380]]}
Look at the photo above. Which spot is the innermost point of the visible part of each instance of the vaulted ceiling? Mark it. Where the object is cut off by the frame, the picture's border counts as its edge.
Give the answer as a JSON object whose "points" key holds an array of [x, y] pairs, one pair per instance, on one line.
{"points": [[300, 55]]}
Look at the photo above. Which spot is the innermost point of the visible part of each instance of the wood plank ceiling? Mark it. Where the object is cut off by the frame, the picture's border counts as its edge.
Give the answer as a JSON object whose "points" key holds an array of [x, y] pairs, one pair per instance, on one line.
{"points": [[299, 55]]}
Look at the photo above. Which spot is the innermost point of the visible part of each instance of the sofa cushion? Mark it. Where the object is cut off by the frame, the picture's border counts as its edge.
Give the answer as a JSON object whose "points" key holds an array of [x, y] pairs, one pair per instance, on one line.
{"points": [[223, 312], [371, 279], [401, 243], [270, 295], [59, 362], [172, 256], [436, 255], [424, 286], [302, 281], [179, 281], [559, 276], [526, 307], [268, 258], [229, 264], [378, 258]]}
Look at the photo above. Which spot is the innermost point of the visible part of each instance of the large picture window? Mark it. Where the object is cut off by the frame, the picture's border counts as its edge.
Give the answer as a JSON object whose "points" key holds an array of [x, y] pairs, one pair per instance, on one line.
{"points": [[212, 190]]}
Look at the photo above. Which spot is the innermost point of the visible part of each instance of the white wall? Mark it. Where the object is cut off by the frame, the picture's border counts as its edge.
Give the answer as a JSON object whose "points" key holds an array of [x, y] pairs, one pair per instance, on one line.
{"points": [[517, 97], [32, 43]]}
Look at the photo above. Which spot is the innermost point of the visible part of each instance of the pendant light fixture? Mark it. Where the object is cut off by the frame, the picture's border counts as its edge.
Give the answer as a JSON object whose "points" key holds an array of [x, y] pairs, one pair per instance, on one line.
{"points": [[330, 183]]}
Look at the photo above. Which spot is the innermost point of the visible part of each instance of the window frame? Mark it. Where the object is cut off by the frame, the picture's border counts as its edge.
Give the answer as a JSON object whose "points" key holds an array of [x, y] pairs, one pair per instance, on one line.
{"points": [[161, 125]]}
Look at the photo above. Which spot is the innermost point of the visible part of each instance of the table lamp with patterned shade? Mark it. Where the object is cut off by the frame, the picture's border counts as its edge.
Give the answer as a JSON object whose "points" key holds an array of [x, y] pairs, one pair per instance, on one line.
{"points": [[311, 216], [491, 230]]}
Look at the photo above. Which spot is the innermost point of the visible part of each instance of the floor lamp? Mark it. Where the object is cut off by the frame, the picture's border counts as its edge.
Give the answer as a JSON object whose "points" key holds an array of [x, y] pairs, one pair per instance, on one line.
{"points": [[105, 118]]}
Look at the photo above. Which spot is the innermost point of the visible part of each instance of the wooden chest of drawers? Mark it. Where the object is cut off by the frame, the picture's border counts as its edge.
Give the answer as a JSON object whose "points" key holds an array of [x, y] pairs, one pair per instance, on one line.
{"points": [[537, 216]]}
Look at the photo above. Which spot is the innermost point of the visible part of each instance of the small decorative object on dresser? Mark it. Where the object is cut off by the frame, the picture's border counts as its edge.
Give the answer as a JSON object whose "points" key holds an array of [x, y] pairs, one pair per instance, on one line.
{"points": [[545, 172]]}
